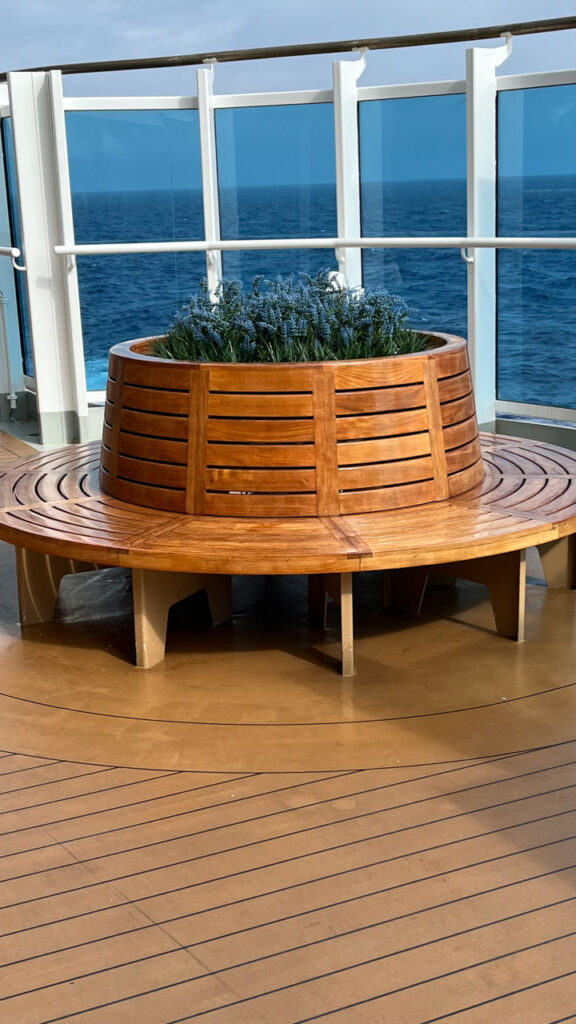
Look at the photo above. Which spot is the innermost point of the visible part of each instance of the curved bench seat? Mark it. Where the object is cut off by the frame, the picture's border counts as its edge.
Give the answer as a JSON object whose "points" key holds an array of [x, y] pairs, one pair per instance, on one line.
{"points": [[52, 504]]}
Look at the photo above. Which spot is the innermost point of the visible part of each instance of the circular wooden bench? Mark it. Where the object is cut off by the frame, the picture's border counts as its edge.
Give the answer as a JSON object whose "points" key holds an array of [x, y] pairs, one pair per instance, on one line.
{"points": [[55, 514]]}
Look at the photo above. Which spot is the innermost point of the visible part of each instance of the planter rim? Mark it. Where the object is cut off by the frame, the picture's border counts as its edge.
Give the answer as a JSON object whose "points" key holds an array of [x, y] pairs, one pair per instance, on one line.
{"points": [[136, 348]]}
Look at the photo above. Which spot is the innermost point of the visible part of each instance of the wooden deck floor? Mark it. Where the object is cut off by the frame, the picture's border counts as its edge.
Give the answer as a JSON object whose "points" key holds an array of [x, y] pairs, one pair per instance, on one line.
{"points": [[400, 895]]}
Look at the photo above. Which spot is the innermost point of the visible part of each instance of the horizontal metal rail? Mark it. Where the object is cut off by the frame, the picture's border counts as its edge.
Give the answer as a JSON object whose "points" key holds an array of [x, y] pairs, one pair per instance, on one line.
{"points": [[234, 245], [13, 254], [521, 28]]}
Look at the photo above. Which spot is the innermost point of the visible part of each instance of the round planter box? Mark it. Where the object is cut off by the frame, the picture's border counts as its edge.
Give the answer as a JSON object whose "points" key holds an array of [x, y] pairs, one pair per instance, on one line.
{"points": [[290, 439]]}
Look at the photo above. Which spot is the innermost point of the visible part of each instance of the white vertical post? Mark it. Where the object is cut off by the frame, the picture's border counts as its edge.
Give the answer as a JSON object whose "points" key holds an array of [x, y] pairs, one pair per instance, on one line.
{"points": [[481, 67], [205, 85], [11, 369], [345, 76], [33, 102], [66, 218]]}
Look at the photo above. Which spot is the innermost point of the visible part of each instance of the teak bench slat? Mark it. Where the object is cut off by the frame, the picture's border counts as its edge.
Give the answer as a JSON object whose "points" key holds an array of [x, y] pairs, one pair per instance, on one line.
{"points": [[53, 511]]}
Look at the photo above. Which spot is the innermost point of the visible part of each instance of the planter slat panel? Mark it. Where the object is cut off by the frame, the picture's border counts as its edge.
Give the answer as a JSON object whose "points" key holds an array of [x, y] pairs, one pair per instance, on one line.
{"points": [[157, 450], [153, 424], [150, 497], [161, 474], [237, 378], [435, 432], [449, 362], [460, 458], [260, 505], [385, 425], [281, 406], [254, 455], [457, 411], [267, 480], [325, 441], [155, 374], [151, 400], [366, 374], [353, 453], [465, 479], [289, 440], [455, 387], [260, 430], [350, 403], [461, 433], [387, 498], [385, 473]]}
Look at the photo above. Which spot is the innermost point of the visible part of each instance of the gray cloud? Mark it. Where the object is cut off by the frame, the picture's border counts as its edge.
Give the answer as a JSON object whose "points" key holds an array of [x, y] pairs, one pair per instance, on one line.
{"points": [[42, 32]]}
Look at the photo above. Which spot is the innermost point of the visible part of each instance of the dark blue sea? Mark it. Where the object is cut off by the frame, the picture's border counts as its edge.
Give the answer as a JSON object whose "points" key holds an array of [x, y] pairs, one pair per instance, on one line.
{"points": [[127, 297]]}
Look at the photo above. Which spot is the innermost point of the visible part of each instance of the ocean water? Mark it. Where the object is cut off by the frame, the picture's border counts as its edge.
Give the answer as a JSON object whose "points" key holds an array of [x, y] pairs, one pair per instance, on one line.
{"points": [[125, 297]]}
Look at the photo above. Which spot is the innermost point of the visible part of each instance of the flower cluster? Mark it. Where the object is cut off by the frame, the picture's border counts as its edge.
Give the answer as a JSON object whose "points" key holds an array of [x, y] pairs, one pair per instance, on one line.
{"points": [[289, 320]]}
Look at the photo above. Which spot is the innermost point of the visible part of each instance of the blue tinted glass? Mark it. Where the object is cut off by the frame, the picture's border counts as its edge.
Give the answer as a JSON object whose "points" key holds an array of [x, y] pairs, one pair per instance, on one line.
{"points": [[16, 239], [537, 289], [135, 177], [413, 182], [276, 173]]}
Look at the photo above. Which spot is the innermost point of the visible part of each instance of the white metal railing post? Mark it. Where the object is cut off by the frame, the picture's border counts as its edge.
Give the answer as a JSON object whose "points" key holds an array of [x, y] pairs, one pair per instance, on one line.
{"points": [[345, 75], [210, 198], [66, 216], [35, 102], [481, 67], [11, 368]]}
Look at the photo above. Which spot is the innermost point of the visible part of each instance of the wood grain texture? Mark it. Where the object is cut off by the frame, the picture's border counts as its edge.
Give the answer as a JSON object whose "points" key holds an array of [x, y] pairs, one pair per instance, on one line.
{"points": [[51, 503], [361, 435]]}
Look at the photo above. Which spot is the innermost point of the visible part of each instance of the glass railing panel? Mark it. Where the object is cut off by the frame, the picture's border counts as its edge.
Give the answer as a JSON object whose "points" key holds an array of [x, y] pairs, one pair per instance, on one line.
{"points": [[413, 182], [537, 288], [277, 179], [135, 176], [16, 240]]}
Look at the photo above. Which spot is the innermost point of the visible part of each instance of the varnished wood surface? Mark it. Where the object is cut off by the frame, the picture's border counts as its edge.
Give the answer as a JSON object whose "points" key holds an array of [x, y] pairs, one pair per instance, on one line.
{"points": [[413, 891], [53, 503], [404, 895], [281, 440]]}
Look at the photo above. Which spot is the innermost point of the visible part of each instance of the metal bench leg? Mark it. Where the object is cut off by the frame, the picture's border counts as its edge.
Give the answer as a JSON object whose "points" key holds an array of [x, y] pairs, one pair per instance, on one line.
{"points": [[558, 559], [39, 579], [154, 593]]}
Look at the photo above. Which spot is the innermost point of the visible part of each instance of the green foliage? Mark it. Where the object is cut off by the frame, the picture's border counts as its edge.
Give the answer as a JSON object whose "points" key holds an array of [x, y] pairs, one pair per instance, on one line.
{"points": [[290, 320]]}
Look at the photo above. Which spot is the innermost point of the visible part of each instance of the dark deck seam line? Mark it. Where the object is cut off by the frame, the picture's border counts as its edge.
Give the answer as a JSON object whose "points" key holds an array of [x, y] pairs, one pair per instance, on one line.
{"points": [[161, 955], [82, 796], [290, 725], [307, 981], [139, 803], [264, 924], [431, 1020], [389, 785], [250, 871], [315, 828], [51, 782], [364, 814]]}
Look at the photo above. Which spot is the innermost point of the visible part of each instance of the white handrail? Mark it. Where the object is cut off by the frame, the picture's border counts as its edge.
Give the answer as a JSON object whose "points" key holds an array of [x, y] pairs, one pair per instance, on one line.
{"points": [[229, 245], [13, 253]]}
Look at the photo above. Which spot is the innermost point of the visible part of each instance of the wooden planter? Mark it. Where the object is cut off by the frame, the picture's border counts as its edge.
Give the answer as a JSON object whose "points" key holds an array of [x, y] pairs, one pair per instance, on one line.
{"points": [[306, 439]]}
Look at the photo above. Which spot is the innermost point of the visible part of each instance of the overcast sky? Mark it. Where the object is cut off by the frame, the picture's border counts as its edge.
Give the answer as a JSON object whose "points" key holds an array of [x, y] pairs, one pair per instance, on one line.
{"points": [[44, 32]]}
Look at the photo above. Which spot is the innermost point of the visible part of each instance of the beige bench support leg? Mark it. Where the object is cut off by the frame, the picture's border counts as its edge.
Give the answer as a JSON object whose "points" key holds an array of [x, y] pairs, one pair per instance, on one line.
{"points": [[347, 623], [154, 593], [39, 579], [504, 575], [338, 586], [558, 559]]}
